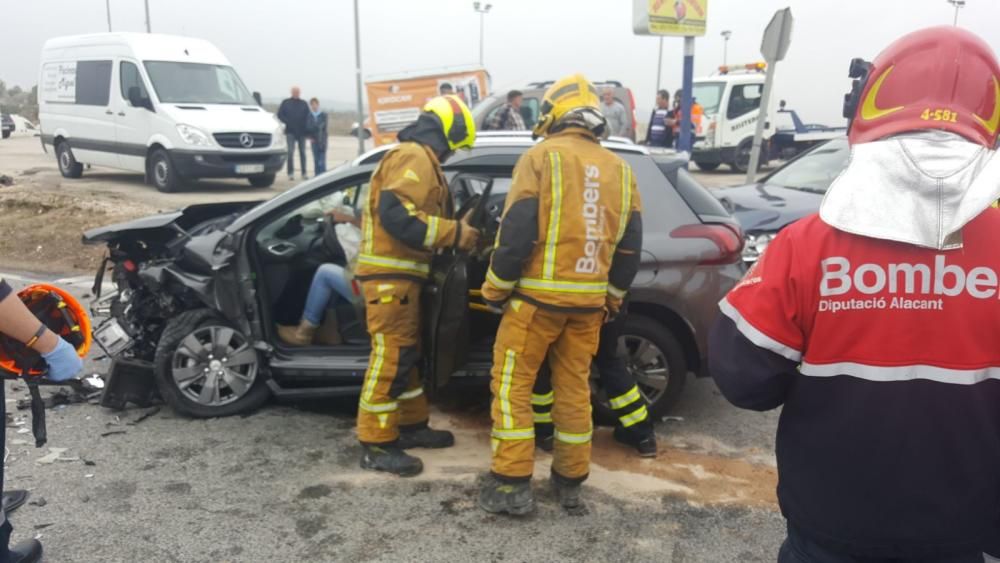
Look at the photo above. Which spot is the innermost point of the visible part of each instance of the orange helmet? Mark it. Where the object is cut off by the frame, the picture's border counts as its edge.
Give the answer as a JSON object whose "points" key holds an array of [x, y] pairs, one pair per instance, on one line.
{"points": [[61, 313], [942, 78]]}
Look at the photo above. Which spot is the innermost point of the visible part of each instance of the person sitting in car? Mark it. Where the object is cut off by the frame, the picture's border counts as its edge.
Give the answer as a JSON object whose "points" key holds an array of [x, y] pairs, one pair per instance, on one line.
{"points": [[330, 284]]}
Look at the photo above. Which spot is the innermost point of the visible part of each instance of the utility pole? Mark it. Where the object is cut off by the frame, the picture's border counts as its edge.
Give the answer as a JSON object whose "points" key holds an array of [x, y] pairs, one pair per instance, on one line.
{"points": [[958, 4], [659, 64], [482, 11], [148, 28], [107, 5], [725, 45], [357, 73]]}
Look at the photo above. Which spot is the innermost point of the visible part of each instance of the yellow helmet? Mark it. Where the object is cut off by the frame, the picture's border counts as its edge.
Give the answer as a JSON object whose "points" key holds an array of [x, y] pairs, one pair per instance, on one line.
{"points": [[456, 121], [571, 93]]}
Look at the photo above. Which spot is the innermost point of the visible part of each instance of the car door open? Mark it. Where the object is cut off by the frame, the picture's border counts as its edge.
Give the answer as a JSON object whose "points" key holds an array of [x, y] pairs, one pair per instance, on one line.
{"points": [[446, 297]]}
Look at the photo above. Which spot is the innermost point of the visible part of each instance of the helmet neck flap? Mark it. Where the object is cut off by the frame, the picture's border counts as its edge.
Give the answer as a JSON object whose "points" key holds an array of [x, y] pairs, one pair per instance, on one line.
{"points": [[918, 188]]}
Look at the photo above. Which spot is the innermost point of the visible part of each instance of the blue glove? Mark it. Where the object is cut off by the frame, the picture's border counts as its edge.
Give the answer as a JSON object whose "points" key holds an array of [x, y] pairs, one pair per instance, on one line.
{"points": [[63, 361]]}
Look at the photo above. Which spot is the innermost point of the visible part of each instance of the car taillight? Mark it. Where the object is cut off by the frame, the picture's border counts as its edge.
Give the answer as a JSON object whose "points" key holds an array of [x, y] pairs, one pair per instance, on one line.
{"points": [[727, 239]]}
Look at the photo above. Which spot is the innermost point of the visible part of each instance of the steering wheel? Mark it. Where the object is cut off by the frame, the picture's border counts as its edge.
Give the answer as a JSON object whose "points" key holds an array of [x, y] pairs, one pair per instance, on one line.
{"points": [[330, 241]]}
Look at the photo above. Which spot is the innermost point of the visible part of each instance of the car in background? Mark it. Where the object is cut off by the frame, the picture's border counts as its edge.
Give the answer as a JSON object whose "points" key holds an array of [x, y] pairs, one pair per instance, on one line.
{"points": [[784, 196], [199, 292], [6, 125], [533, 93]]}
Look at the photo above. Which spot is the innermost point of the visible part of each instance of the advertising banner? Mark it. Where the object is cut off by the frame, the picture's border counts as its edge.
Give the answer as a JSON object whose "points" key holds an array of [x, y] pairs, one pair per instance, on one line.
{"points": [[58, 83], [394, 104], [669, 17]]}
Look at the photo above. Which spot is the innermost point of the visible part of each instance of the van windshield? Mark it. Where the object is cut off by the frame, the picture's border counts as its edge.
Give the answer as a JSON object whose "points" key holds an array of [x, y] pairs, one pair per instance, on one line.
{"points": [[194, 83]]}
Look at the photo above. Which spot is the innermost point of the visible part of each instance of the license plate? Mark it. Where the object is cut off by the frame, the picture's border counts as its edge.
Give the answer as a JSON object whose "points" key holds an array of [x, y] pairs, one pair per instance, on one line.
{"points": [[249, 168], [112, 338]]}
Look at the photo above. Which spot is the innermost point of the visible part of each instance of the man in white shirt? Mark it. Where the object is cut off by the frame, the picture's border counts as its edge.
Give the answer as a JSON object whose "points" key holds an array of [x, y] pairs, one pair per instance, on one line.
{"points": [[614, 112]]}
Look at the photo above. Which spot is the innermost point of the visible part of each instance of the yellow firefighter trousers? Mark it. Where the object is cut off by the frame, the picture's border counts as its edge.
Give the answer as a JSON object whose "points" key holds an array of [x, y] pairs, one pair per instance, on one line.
{"points": [[392, 394], [527, 333]]}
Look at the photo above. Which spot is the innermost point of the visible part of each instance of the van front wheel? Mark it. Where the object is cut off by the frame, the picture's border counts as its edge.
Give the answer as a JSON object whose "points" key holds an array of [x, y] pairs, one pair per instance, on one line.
{"points": [[162, 172], [68, 166]]}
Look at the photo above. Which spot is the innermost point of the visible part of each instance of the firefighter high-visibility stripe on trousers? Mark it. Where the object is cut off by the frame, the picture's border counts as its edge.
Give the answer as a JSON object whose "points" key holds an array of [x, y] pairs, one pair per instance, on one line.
{"points": [[629, 407]]}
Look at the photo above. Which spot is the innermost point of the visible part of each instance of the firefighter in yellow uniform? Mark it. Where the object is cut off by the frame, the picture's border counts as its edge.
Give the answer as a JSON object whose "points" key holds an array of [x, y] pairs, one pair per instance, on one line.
{"points": [[407, 218], [567, 251]]}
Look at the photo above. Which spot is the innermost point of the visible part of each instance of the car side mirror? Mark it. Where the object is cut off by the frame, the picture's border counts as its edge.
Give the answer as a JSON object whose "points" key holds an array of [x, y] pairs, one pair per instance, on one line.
{"points": [[257, 98], [136, 98]]}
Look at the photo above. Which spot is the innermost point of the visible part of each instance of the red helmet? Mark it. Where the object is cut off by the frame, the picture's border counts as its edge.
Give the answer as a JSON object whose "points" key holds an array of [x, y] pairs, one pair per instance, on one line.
{"points": [[937, 78]]}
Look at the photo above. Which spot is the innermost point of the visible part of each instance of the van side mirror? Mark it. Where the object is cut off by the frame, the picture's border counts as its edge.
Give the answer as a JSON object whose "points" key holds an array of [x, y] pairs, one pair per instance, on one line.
{"points": [[136, 98], [257, 98]]}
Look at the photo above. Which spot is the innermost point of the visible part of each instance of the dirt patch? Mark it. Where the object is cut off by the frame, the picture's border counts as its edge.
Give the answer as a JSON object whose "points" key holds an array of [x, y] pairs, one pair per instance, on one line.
{"points": [[41, 232], [703, 478]]}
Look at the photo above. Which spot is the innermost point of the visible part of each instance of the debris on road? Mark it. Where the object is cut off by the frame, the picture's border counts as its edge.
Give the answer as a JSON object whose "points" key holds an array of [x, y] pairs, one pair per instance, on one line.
{"points": [[40, 501], [6, 180], [113, 432], [51, 457], [672, 419], [151, 412]]}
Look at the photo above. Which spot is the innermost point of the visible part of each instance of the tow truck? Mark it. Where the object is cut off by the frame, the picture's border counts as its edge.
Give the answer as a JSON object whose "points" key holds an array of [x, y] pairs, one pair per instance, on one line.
{"points": [[787, 143]]}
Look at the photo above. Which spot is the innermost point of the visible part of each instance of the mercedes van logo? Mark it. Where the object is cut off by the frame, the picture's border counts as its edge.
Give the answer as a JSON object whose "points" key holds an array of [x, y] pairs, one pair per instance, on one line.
{"points": [[246, 140]]}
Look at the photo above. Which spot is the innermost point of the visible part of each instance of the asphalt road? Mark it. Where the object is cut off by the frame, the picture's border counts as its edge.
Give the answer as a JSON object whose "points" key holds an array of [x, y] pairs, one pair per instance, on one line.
{"points": [[283, 484]]}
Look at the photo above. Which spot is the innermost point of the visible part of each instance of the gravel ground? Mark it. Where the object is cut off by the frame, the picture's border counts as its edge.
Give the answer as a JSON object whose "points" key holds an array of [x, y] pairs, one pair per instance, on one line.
{"points": [[284, 484]]}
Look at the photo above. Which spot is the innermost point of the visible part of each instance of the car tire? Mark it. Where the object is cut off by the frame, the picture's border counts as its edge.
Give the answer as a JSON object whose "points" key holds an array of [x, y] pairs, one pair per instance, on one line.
{"points": [[187, 347], [741, 158], [262, 180], [6, 134], [68, 166], [707, 166], [664, 351], [162, 172]]}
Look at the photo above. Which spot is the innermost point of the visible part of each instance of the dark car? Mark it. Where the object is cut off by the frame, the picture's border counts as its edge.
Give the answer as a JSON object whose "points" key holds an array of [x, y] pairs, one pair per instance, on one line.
{"points": [[200, 291], [784, 196], [6, 125]]}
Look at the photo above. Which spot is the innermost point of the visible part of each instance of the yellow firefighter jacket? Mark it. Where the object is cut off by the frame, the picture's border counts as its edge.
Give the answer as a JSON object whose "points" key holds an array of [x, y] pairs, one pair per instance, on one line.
{"points": [[407, 216], [571, 232]]}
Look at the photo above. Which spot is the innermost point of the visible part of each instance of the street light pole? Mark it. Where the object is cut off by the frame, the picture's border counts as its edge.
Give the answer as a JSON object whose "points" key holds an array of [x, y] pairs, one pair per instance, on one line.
{"points": [[482, 11], [958, 4], [148, 28], [659, 64], [357, 74], [107, 5], [725, 45]]}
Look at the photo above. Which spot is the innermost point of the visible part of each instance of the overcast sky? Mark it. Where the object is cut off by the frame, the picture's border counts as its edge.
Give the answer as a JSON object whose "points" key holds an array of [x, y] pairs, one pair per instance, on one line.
{"points": [[276, 43]]}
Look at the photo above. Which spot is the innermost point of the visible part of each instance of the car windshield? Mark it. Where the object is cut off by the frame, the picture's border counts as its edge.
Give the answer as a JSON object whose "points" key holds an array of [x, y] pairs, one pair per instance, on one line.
{"points": [[708, 94], [194, 83], [815, 170]]}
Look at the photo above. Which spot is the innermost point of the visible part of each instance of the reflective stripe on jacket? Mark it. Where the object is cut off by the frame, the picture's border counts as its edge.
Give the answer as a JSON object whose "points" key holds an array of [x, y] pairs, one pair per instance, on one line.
{"points": [[407, 216], [571, 231]]}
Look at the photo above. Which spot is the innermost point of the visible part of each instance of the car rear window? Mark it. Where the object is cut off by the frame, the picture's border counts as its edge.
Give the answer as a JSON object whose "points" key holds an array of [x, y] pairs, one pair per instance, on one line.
{"points": [[698, 198]]}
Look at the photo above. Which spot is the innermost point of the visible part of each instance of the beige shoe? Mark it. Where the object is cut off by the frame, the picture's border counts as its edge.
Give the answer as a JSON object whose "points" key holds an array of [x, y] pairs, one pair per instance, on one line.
{"points": [[301, 335], [329, 332]]}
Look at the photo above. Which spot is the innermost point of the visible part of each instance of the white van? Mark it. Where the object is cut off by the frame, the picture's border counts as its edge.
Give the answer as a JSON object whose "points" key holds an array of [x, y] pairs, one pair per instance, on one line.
{"points": [[731, 102], [170, 107]]}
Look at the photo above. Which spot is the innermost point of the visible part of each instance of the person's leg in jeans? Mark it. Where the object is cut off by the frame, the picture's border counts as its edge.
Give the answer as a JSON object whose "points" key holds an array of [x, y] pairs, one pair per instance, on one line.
{"points": [[290, 139], [329, 279], [319, 159], [302, 154]]}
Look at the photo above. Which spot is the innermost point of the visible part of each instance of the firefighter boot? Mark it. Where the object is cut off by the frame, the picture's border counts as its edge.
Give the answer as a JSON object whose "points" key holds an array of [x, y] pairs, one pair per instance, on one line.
{"points": [[390, 459], [511, 497], [568, 493], [423, 436], [643, 439], [28, 551], [301, 335]]}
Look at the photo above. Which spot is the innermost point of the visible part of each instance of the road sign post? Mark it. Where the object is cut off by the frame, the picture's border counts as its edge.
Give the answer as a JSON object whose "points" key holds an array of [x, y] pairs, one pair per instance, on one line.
{"points": [[774, 46]]}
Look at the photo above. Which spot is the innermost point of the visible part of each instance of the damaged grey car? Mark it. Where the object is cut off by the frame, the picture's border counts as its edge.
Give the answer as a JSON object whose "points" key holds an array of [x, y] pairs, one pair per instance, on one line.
{"points": [[198, 293]]}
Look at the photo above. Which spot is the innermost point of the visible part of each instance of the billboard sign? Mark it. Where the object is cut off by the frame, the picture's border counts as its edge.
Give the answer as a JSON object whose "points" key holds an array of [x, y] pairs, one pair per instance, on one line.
{"points": [[683, 18]]}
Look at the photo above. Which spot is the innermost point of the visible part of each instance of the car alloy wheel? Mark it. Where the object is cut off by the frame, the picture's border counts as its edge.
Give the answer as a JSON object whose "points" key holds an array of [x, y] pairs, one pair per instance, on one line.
{"points": [[161, 172], [647, 363], [214, 366]]}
